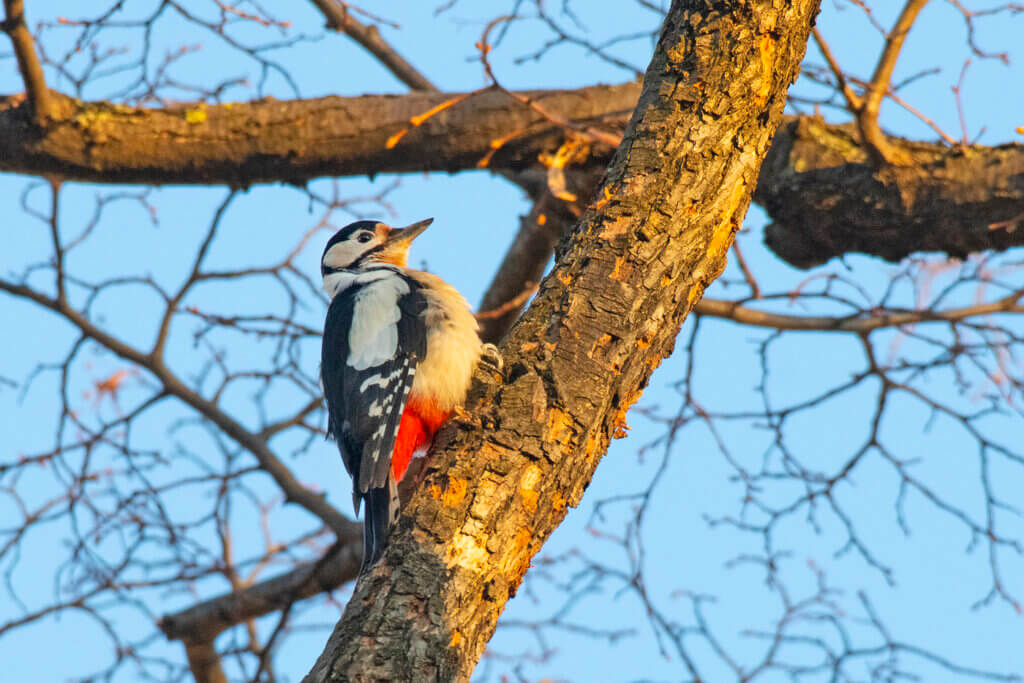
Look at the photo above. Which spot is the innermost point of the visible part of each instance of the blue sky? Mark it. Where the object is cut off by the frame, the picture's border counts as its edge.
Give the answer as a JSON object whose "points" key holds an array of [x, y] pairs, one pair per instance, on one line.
{"points": [[935, 583]]}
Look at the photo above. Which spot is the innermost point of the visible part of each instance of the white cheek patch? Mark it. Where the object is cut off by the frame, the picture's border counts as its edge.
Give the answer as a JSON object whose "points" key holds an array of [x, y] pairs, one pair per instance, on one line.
{"points": [[373, 337], [344, 253]]}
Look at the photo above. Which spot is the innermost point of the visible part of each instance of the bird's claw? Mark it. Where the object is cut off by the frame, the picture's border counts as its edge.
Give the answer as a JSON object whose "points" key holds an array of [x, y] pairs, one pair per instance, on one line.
{"points": [[490, 355]]}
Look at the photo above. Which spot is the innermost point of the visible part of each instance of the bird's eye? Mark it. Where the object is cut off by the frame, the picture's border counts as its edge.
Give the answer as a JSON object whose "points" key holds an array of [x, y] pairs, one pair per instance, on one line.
{"points": [[364, 237]]}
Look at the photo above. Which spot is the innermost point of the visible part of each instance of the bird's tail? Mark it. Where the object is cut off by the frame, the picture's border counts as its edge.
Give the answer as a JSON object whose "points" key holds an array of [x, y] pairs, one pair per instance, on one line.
{"points": [[379, 514]]}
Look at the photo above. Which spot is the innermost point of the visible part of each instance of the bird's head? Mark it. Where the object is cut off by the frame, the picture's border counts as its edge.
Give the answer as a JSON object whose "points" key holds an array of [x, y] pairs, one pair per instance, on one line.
{"points": [[366, 242]]}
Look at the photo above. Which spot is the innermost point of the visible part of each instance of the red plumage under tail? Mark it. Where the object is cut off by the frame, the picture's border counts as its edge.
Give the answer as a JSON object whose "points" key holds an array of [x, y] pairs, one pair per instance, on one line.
{"points": [[420, 420]]}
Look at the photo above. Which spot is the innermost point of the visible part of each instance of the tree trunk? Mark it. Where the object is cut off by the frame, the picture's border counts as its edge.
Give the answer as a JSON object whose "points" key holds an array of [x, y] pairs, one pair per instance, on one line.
{"points": [[674, 195]]}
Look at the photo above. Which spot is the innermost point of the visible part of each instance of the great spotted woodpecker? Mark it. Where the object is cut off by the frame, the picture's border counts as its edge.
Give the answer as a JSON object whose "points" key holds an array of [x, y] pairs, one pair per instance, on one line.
{"points": [[399, 349]]}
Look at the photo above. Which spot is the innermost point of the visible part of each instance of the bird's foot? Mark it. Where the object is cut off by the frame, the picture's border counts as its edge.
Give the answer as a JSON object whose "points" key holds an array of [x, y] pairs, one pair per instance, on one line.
{"points": [[490, 355]]}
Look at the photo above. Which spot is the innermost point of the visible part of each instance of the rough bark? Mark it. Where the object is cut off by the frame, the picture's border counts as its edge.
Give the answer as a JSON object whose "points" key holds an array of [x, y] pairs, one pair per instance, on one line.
{"points": [[293, 141], [642, 254], [824, 197]]}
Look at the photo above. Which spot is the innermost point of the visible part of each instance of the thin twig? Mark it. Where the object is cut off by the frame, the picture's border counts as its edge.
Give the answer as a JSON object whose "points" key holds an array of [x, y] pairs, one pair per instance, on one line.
{"points": [[957, 96], [748, 275], [591, 132], [853, 100], [735, 311], [510, 305], [339, 18]]}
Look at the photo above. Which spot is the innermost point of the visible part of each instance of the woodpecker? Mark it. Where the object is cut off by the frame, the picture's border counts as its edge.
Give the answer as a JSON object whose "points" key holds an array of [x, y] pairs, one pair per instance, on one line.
{"points": [[399, 349]]}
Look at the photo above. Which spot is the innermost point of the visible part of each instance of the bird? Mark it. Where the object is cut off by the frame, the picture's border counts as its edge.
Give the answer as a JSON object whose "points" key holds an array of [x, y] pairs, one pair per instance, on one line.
{"points": [[398, 354]]}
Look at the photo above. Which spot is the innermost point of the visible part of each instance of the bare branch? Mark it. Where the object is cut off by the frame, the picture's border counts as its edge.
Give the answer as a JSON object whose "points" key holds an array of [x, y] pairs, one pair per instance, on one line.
{"points": [[592, 132], [853, 100], [867, 115], [825, 198], [339, 18], [28, 63], [857, 324], [817, 186], [204, 663], [295, 141], [205, 621]]}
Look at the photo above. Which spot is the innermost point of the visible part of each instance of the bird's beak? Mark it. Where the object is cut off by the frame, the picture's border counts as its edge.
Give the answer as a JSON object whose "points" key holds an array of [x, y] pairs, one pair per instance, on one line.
{"points": [[395, 249], [401, 238]]}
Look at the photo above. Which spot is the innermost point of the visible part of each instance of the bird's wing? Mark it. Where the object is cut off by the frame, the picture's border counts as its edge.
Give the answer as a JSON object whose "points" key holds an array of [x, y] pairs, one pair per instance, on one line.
{"points": [[374, 337]]}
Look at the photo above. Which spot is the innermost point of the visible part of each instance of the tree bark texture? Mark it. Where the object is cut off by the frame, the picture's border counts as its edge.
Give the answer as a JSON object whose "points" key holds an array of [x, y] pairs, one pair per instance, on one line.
{"points": [[294, 141], [500, 481], [826, 199], [823, 195]]}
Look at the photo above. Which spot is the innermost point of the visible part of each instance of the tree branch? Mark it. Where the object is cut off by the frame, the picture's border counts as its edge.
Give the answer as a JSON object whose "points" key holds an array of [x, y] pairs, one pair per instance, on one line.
{"points": [[28, 63], [818, 184], [204, 663], [827, 199], [205, 621], [640, 257], [340, 19], [867, 114], [857, 324], [294, 141], [853, 101]]}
